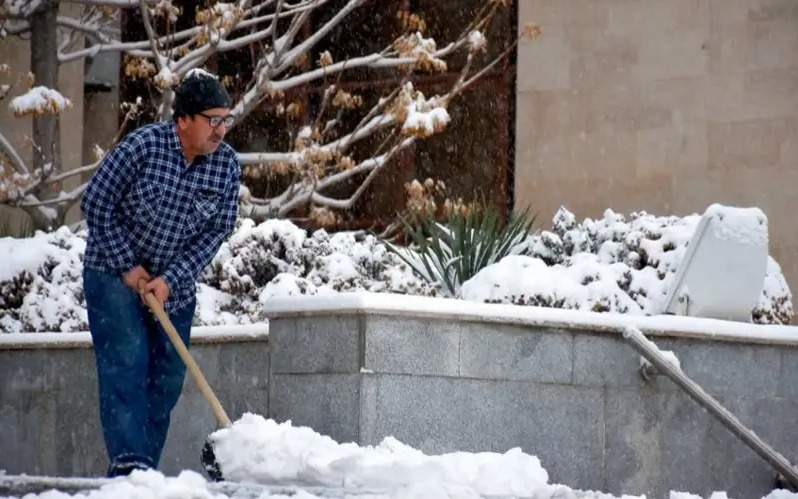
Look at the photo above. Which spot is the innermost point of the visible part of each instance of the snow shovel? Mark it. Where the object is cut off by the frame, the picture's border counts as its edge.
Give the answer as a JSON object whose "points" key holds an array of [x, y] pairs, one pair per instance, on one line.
{"points": [[208, 457], [652, 354]]}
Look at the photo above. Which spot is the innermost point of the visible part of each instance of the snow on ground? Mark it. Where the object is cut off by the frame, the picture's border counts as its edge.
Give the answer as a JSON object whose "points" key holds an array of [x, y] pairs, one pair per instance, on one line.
{"points": [[260, 451], [621, 264]]}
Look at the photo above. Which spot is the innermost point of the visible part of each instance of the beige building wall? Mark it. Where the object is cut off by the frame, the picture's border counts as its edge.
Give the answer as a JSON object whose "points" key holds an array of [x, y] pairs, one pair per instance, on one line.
{"points": [[16, 53], [665, 106]]}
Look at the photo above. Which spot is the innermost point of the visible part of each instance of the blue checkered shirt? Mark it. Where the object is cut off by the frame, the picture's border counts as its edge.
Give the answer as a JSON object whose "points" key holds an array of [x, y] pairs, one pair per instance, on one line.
{"points": [[147, 206]]}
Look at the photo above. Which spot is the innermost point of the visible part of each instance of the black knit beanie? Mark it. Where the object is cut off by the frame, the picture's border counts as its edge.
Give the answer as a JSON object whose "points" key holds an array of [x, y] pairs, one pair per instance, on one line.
{"points": [[198, 92]]}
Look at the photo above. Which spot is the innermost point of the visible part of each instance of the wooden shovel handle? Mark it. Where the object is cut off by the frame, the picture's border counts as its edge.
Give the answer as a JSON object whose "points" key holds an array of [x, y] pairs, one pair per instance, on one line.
{"points": [[193, 368]]}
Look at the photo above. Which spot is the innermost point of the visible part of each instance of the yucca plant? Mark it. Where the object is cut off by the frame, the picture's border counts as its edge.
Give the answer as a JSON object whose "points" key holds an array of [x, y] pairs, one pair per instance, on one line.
{"points": [[452, 253]]}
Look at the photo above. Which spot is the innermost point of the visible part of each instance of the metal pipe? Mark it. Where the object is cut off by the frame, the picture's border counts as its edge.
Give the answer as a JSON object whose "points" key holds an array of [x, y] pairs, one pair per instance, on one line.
{"points": [[650, 352]]}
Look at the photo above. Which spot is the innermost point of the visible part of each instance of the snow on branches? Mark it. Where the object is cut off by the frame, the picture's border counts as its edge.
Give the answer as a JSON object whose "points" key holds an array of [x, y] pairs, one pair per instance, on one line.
{"points": [[420, 117], [19, 8], [218, 20], [422, 51], [279, 38], [166, 10], [477, 41], [41, 285], [13, 185], [39, 100]]}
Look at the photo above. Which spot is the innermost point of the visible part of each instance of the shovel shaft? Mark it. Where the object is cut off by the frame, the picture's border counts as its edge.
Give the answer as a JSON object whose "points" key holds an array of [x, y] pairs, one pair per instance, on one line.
{"points": [[193, 368]]}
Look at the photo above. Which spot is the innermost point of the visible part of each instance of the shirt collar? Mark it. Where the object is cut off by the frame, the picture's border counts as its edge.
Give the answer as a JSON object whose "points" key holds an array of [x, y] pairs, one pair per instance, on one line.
{"points": [[174, 140]]}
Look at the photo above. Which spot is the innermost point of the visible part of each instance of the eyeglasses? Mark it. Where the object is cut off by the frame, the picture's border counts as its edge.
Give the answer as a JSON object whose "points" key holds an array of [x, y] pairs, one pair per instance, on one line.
{"points": [[215, 121]]}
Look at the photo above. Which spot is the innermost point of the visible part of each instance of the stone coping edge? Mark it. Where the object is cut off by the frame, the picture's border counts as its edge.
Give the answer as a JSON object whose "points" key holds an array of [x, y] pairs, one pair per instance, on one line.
{"points": [[199, 335], [20, 485], [461, 310]]}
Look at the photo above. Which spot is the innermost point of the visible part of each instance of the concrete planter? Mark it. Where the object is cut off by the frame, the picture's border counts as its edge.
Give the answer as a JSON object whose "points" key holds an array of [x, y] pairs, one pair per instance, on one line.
{"points": [[441, 376], [561, 385]]}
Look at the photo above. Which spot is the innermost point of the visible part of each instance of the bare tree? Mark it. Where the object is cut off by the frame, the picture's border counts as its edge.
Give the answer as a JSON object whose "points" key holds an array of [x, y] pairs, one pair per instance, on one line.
{"points": [[277, 32]]}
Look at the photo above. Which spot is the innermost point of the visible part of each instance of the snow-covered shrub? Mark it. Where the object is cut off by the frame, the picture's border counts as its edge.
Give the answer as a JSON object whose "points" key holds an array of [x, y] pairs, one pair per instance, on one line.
{"points": [[254, 255], [41, 285], [775, 304], [277, 259], [614, 264], [41, 288]]}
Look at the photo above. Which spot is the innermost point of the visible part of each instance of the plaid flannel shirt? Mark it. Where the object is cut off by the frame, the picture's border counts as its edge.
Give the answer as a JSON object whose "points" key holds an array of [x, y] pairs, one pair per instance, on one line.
{"points": [[147, 206]]}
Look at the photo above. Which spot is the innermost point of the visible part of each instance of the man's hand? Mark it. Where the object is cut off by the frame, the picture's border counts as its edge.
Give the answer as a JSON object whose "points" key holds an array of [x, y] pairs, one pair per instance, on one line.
{"points": [[132, 277], [159, 288]]}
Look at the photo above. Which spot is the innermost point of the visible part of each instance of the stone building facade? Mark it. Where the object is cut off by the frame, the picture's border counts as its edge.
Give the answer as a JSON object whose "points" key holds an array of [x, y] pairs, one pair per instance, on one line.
{"points": [[662, 106]]}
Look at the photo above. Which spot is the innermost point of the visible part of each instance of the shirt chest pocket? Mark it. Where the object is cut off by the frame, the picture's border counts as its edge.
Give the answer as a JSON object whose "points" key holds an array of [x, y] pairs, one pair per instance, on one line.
{"points": [[204, 207], [146, 200]]}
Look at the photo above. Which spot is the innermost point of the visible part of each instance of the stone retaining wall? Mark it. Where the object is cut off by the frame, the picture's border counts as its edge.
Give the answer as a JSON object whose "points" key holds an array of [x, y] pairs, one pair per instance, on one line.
{"points": [[49, 419], [561, 385], [445, 375]]}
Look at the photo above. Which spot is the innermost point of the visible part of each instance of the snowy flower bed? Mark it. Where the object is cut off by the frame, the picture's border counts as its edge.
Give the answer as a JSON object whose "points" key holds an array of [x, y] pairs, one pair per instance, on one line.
{"points": [[276, 258], [41, 286], [617, 263]]}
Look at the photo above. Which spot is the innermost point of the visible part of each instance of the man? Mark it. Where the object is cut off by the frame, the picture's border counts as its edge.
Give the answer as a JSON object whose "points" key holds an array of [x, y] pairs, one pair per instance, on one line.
{"points": [[157, 211]]}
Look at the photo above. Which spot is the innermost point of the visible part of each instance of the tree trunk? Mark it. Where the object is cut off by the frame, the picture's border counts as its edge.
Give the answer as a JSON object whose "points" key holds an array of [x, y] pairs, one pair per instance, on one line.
{"points": [[44, 65], [46, 139]]}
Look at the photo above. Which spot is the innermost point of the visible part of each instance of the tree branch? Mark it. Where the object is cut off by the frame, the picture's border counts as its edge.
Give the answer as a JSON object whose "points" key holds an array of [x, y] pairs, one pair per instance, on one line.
{"points": [[306, 45], [196, 57], [136, 48], [122, 4], [63, 198], [87, 29], [160, 61], [13, 155], [259, 158], [72, 173], [275, 73]]}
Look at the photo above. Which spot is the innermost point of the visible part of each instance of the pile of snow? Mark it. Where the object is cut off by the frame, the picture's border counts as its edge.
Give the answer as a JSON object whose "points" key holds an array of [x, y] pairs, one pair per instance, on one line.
{"points": [[263, 451], [615, 264], [260, 451]]}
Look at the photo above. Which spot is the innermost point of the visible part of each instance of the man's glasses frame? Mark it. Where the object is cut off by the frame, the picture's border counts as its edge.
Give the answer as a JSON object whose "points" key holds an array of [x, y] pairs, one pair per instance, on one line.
{"points": [[216, 121]]}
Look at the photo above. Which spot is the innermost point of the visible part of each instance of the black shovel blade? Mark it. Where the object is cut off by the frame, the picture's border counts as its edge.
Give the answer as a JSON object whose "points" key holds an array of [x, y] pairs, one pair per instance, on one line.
{"points": [[209, 462]]}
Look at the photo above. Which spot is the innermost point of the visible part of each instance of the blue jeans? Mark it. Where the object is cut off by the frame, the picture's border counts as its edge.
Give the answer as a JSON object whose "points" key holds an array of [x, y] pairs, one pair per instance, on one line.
{"points": [[139, 371]]}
